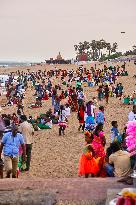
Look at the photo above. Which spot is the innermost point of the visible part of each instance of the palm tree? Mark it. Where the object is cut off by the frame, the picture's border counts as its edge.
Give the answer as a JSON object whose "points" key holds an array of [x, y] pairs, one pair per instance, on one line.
{"points": [[82, 48], [109, 48], [99, 47], [114, 47], [93, 45]]}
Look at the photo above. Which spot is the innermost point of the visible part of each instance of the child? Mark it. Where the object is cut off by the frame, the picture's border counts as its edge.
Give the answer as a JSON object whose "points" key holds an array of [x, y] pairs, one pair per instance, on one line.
{"points": [[62, 120], [100, 116], [115, 136], [88, 164], [67, 110]]}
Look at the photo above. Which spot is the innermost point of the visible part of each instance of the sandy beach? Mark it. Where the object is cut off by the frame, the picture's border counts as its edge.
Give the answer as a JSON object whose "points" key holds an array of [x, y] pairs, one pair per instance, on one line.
{"points": [[55, 156]]}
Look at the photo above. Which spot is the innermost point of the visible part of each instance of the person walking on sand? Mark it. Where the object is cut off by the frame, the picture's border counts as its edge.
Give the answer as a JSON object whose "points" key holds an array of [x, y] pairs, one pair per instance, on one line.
{"points": [[27, 131], [62, 120], [106, 91], [10, 144]]}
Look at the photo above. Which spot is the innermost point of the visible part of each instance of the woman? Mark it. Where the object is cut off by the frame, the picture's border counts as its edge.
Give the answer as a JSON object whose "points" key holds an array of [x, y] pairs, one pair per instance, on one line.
{"points": [[74, 104], [81, 114], [98, 144]]}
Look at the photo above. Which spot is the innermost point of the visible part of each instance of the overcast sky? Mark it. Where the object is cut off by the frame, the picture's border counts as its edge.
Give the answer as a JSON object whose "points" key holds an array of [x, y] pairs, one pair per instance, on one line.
{"points": [[39, 29]]}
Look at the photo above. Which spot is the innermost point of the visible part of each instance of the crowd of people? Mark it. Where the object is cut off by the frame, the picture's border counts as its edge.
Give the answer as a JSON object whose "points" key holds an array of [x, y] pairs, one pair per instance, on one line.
{"points": [[96, 160], [66, 96]]}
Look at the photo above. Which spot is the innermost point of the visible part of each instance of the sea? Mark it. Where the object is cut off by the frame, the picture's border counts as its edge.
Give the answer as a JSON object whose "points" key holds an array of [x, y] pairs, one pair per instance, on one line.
{"points": [[13, 64]]}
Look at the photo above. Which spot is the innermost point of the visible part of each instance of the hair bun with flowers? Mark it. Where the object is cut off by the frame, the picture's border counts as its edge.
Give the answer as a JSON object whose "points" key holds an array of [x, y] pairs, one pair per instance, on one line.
{"points": [[87, 133]]}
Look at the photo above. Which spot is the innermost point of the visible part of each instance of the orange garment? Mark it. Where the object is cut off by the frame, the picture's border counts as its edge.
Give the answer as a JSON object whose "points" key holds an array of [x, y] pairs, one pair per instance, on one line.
{"points": [[87, 164]]}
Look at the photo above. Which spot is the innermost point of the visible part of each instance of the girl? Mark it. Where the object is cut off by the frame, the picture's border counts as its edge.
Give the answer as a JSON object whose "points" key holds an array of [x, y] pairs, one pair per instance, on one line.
{"points": [[62, 120], [88, 164]]}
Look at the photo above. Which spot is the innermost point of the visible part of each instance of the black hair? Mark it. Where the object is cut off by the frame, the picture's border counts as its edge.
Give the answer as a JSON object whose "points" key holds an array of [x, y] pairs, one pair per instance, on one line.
{"points": [[23, 117], [97, 128], [7, 122], [101, 108], [134, 106], [113, 123], [115, 146]]}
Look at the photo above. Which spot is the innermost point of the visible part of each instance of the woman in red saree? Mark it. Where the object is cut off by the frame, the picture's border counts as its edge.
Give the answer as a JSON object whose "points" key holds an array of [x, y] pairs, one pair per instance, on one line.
{"points": [[98, 144]]}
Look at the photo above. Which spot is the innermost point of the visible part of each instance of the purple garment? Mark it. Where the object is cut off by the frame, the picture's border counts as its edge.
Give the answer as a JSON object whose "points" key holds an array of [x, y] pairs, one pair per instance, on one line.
{"points": [[88, 106]]}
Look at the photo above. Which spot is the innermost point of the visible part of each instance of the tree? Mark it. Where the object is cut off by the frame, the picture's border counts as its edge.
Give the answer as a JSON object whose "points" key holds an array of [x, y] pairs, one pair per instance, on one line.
{"points": [[134, 50], [82, 48], [93, 46], [114, 47], [94, 49], [131, 52], [109, 48]]}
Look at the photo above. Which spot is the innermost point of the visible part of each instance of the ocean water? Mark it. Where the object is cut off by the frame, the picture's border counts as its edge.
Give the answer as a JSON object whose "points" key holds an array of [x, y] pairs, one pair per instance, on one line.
{"points": [[13, 64], [4, 78]]}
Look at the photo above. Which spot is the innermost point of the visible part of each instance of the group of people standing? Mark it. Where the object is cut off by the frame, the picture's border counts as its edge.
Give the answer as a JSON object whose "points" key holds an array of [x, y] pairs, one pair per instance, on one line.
{"points": [[17, 133], [116, 160], [16, 141]]}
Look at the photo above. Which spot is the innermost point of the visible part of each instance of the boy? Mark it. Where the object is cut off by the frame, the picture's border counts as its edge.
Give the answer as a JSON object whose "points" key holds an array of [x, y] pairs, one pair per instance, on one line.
{"points": [[100, 116], [115, 136]]}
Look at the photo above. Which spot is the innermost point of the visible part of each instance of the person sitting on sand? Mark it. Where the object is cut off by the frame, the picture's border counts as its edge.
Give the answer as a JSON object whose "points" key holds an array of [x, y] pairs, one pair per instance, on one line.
{"points": [[37, 104], [120, 160], [45, 96]]}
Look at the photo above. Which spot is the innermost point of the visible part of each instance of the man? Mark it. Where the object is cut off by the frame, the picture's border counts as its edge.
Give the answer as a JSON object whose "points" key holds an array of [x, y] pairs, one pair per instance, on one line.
{"points": [[120, 160], [27, 131], [132, 114], [11, 142]]}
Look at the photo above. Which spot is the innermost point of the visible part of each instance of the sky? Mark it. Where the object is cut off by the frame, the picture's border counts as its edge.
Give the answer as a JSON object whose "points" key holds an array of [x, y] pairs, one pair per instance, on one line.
{"points": [[35, 30]]}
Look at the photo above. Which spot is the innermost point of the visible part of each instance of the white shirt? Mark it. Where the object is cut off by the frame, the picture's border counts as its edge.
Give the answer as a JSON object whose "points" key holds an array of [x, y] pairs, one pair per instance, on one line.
{"points": [[131, 116], [67, 111], [49, 123], [27, 130]]}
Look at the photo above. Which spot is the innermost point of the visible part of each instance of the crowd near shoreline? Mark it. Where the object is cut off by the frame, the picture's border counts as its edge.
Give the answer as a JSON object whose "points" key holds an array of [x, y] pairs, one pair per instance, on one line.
{"points": [[69, 120]]}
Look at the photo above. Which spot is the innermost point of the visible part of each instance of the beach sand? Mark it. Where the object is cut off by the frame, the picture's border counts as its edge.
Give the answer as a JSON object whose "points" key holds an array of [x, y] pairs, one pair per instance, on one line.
{"points": [[55, 156]]}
